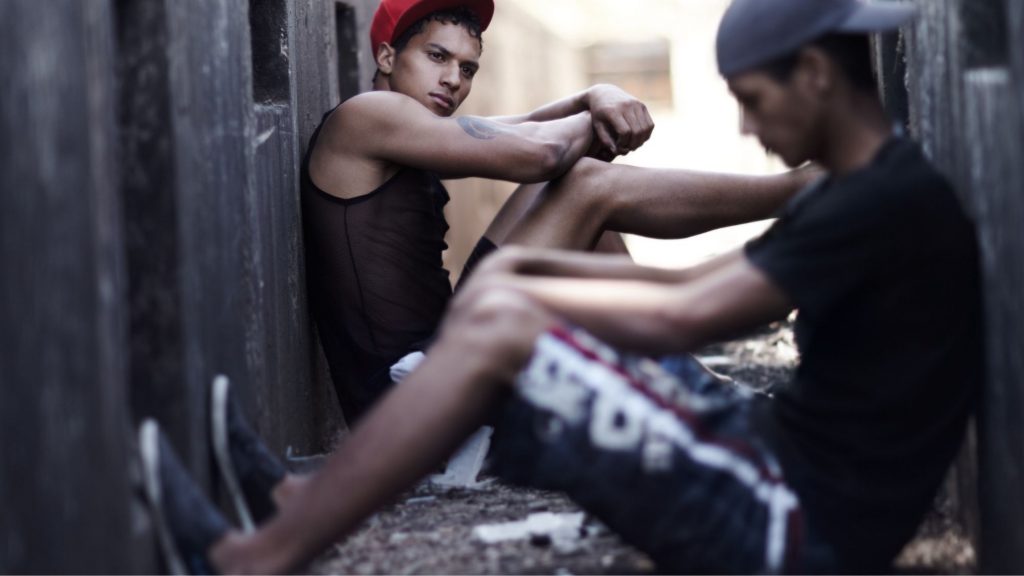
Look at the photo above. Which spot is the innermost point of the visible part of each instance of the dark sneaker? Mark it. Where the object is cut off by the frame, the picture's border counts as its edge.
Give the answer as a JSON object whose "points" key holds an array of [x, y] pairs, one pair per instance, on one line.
{"points": [[186, 522], [249, 469]]}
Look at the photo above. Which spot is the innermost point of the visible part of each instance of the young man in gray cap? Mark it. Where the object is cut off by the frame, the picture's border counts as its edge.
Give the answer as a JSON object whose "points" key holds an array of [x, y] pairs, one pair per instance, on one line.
{"points": [[833, 474]]}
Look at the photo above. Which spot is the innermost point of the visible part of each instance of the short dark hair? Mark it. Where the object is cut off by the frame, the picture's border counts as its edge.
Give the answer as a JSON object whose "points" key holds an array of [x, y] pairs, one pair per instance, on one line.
{"points": [[851, 51], [461, 16]]}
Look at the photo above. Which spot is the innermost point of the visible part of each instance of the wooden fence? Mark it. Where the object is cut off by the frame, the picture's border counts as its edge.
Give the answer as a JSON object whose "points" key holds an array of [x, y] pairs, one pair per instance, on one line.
{"points": [[957, 77], [151, 240]]}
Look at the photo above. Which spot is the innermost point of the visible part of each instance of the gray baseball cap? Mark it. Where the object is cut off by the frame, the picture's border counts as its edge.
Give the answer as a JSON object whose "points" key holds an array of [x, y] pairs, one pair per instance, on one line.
{"points": [[755, 32]]}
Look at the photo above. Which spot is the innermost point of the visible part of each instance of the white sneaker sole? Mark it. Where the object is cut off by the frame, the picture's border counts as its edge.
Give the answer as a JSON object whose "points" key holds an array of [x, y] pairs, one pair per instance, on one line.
{"points": [[149, 451], [222, 451]]}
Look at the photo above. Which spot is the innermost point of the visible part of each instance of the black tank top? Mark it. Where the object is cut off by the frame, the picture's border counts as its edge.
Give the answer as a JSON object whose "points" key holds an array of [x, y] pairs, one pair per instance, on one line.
{"points": [[376, 278]]}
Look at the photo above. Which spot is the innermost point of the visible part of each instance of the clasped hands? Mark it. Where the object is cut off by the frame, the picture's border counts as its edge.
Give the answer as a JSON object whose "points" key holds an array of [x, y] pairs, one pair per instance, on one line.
{"points": [[621, 122]]}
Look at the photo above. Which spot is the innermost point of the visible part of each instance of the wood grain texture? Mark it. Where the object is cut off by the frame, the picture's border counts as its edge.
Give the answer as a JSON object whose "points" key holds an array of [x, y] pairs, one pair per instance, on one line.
{"points": [[997, 177], [64, 429]]}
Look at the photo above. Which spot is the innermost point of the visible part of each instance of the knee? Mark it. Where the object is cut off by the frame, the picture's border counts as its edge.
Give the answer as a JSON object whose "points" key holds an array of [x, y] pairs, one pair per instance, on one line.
{"points": [[503, 317], [497, 325], [586, 172], [587, 182]]}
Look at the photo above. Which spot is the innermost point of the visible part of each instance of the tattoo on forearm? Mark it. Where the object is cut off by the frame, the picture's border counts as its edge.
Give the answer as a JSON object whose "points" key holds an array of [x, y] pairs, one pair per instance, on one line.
{"points": [[480, 128]]}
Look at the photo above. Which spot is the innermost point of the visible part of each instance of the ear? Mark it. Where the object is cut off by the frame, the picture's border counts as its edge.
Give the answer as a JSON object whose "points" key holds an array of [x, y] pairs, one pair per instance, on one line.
{"points": [[386, 58], [817, 70]]}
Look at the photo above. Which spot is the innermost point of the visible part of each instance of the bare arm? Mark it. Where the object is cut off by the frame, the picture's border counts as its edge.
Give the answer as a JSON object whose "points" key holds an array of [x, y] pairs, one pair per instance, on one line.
{"points": [[395, 128], [662, 203], [621, 122], [527, 261], [551, 111], [658, 318]]}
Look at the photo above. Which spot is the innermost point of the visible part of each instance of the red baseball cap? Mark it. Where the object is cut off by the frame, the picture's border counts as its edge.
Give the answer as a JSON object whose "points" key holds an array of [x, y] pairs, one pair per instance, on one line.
{"points": [[395, 16]]}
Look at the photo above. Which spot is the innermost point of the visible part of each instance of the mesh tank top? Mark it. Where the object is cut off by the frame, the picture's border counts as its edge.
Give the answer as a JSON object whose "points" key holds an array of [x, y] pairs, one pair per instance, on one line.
{"points": [[376, 279]]}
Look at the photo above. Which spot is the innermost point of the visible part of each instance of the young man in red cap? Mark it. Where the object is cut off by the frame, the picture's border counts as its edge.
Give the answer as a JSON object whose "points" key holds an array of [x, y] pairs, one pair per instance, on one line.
{"points": [[832, 475], [373, 199]]}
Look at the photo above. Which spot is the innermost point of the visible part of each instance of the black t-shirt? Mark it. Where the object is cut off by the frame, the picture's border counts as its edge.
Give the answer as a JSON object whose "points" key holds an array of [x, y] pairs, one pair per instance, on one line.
{"points": [[882, 265]]}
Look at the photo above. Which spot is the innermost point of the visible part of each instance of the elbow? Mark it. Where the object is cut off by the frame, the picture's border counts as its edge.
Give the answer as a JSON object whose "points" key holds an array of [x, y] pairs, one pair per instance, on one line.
{"points": [[553, 161], [546, 161]]}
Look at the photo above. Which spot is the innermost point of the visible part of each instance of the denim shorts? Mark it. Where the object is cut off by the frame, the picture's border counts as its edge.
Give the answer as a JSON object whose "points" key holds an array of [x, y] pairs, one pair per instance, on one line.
{"points": [[669, 460]]}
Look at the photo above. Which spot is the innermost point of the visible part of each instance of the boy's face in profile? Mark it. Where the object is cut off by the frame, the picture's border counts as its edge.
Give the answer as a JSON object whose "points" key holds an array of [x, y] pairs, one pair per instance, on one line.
{"points": [[783, 115], [436, 67]]}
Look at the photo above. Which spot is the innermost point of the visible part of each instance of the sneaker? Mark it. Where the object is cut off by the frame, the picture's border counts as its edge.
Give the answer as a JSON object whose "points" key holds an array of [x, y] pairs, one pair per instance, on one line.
{"points": [[249, 469], [186, 522]]}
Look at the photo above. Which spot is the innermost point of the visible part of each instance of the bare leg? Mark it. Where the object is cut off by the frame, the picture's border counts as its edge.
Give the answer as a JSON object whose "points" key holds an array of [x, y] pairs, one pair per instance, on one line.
{"points": [[521, 202], [512, 212], [595, 197], [487, 340]]}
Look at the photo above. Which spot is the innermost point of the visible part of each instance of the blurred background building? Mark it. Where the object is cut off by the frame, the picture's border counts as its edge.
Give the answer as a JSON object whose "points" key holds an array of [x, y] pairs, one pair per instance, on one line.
{"points": [[661, 51]]}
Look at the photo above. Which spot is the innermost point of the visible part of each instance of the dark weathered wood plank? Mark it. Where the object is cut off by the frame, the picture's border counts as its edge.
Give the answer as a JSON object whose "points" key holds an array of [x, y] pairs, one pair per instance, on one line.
{"points": [[891, 72], [187, 123], [317, 57], [1015, 21], [316, 66], [294, 410], [64, 430], [210, 78], [997, 177], [933, 46], [150, 181]]}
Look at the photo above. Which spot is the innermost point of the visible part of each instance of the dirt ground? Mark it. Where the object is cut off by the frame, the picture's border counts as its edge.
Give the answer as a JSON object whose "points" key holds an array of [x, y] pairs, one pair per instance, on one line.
{"points": [[430, 530]]}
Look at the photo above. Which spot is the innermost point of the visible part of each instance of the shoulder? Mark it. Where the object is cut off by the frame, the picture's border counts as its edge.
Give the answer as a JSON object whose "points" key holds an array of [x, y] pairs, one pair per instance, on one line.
{"points": [[376, 108], [903, 166], [909, 197], [919, 184], [376, 99], [365, 123], [900, 178], [353, 153]]}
